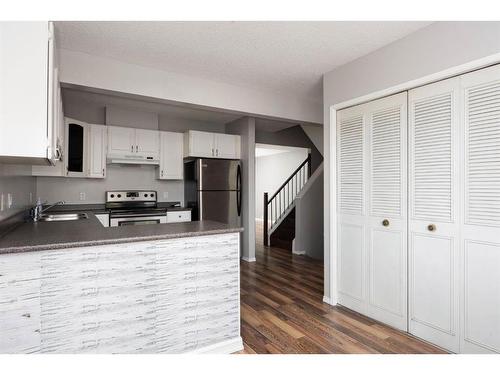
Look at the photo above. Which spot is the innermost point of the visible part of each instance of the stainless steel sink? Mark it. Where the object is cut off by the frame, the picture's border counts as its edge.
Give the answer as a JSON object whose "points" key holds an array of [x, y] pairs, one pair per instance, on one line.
{"points": [[62, 217]]}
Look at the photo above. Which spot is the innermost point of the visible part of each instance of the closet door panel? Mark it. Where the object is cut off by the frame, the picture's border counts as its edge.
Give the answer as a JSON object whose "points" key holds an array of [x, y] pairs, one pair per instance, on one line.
{"points": [[351, 264], [481, 225], [433, 203], [387, 269]]}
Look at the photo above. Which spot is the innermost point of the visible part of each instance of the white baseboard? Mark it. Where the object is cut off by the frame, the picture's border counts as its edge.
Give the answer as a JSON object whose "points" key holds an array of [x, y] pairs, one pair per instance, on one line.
{"points": [[327, 300], [224, 347], [247, 259]]}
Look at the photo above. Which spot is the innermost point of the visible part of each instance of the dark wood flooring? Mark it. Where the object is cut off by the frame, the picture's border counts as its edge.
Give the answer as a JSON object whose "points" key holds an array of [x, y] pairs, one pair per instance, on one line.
{"points": [[282, 312]]}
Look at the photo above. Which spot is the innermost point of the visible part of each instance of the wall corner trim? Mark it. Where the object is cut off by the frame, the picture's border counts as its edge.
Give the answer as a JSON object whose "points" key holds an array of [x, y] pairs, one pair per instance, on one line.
{"points": [[247, 259]]}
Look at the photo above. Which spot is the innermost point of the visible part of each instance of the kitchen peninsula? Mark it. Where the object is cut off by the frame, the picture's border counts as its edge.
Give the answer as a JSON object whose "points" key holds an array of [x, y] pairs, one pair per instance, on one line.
{"points": [[80, 287]]}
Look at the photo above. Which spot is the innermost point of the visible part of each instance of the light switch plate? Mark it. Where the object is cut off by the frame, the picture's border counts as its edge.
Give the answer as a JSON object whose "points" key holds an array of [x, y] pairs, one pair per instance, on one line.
{"points": [[165, 194]]}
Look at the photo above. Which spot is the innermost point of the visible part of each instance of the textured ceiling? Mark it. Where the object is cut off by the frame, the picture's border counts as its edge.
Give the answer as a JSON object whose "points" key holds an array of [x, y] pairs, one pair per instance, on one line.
{"points": [[283, 57]]}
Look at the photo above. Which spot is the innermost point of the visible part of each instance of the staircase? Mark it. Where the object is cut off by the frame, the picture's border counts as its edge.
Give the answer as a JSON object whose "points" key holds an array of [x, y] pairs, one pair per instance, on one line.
{"points": [[279, 210]]}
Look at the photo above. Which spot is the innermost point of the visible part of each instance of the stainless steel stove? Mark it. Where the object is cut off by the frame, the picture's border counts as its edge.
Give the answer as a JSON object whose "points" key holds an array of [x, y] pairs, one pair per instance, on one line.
{"points": [[134, 207]]}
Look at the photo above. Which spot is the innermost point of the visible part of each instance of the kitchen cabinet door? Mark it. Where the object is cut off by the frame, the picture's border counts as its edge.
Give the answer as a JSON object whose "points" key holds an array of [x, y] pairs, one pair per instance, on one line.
{"points": [[121, 141], [434, 129], [171, 156], [25, 78], [20, 276], [97, 143], [227, 146], [199, 144], [147, 143], [480, 254]]}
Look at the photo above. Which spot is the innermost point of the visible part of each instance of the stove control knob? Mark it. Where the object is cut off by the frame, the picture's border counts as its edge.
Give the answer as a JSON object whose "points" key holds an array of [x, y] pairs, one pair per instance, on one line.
{"points": [[119, 195], [112, 195], [145, 195], [152, 195]]}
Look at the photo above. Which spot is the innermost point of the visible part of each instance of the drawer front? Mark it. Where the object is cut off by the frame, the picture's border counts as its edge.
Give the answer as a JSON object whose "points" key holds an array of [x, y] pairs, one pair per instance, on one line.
{"points": [[178, 216]]}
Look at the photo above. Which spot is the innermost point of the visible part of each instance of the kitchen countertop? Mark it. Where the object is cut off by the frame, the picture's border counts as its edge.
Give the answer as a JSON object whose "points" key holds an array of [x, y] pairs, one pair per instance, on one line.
{"points": [[40, 236]]}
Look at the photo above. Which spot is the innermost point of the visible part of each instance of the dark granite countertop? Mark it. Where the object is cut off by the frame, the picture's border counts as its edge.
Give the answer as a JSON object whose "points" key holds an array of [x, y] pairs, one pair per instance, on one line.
{"points": [[39, 236]]}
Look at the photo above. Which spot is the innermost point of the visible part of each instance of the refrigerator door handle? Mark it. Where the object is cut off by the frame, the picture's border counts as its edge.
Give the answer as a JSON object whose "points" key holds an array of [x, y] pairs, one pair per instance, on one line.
{"points": [[238, 189]]}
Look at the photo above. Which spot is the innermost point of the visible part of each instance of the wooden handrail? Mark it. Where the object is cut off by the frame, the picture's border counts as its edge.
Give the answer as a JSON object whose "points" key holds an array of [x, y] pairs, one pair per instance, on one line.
{"points": [[307, 161]]}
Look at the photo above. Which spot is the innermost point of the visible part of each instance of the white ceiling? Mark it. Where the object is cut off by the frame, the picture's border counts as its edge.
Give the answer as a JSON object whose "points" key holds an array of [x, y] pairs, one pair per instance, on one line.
{"points": [[286, 57]]}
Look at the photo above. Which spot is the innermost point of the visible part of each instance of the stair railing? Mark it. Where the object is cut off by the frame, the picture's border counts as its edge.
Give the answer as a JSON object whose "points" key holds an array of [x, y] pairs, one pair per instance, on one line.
{"points": [[277, 206]]}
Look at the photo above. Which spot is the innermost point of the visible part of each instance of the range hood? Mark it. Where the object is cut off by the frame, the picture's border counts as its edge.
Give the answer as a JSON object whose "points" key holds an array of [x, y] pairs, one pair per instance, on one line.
{"points": [[132, 159]]}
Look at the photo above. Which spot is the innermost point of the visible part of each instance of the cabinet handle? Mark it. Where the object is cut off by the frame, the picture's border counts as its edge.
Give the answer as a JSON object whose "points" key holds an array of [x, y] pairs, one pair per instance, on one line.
{"points": [[162, 173], [132, 148], [136, 148], [431, 227], [385, 223], [103, 171], [27, 315], [217, 152], [212, 152]]}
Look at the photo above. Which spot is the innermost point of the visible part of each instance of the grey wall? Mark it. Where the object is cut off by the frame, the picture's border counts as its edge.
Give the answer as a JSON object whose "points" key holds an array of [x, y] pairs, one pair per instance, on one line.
{"points": [[271, 171], [17, 180], [315, 134], [309, 217], [140, 177], [245, 127], [295, 137], [440, 46]]}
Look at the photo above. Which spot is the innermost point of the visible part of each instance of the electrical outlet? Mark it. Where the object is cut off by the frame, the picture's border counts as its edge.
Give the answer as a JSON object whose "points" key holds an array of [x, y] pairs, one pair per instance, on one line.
{"points": [[10, 200], [165, 194], [82, 196]]}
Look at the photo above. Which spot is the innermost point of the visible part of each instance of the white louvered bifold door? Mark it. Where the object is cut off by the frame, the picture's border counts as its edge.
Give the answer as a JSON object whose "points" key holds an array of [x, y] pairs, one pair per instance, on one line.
{"points": [[351, 227], [386, 198], [371, 148], [433, 213], [480, 291]]}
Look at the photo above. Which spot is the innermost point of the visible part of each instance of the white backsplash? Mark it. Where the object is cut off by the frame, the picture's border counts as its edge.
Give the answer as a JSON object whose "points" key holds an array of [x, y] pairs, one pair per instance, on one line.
{"points": [[119, 177]]}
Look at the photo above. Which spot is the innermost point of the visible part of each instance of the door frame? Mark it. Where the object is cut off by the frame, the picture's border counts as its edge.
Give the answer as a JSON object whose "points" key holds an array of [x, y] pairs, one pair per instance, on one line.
{"points": [[331, 263]]}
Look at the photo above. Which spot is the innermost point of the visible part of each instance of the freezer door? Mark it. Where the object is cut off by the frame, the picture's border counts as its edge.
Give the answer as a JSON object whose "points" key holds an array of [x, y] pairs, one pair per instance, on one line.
{"points": [[221, 206], [218, 174]]}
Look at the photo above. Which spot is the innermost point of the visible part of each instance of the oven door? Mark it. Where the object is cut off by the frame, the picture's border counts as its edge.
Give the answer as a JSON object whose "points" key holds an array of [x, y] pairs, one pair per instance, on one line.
{"points": [[137, 220]]}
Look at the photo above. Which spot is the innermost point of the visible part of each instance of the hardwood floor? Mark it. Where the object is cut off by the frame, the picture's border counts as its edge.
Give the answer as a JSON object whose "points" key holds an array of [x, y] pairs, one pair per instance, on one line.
{"points": [[282, 312]]}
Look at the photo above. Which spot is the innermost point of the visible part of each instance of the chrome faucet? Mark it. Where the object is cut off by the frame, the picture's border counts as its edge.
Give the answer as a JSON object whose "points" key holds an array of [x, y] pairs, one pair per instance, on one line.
{"points": [[37, 211]]}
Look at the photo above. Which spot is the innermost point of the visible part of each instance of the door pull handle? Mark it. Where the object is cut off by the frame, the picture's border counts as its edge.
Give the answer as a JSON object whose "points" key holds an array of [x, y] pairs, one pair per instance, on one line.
{"points": [[385, 223], [431, 227]]}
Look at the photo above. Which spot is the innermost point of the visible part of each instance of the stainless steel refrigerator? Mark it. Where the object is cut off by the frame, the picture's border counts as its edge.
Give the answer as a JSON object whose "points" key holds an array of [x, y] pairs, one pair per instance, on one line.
{"points": [[212, 188]]}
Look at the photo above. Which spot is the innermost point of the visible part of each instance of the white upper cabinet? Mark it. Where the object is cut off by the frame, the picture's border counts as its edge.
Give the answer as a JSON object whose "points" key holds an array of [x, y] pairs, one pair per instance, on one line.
{"points": [[28, 92], [227, 146], [199, 144], [133, 144], [147, 143], [171, 160], [211, 145], [121, 141], [97, 151]]}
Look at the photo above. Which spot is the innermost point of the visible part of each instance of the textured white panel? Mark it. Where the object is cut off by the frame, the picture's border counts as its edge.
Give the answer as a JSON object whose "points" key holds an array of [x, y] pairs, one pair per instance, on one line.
{"points": [[167, 296], [432, 158], [483, 155], [351, 165], [351, 270], [386, 162]]}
